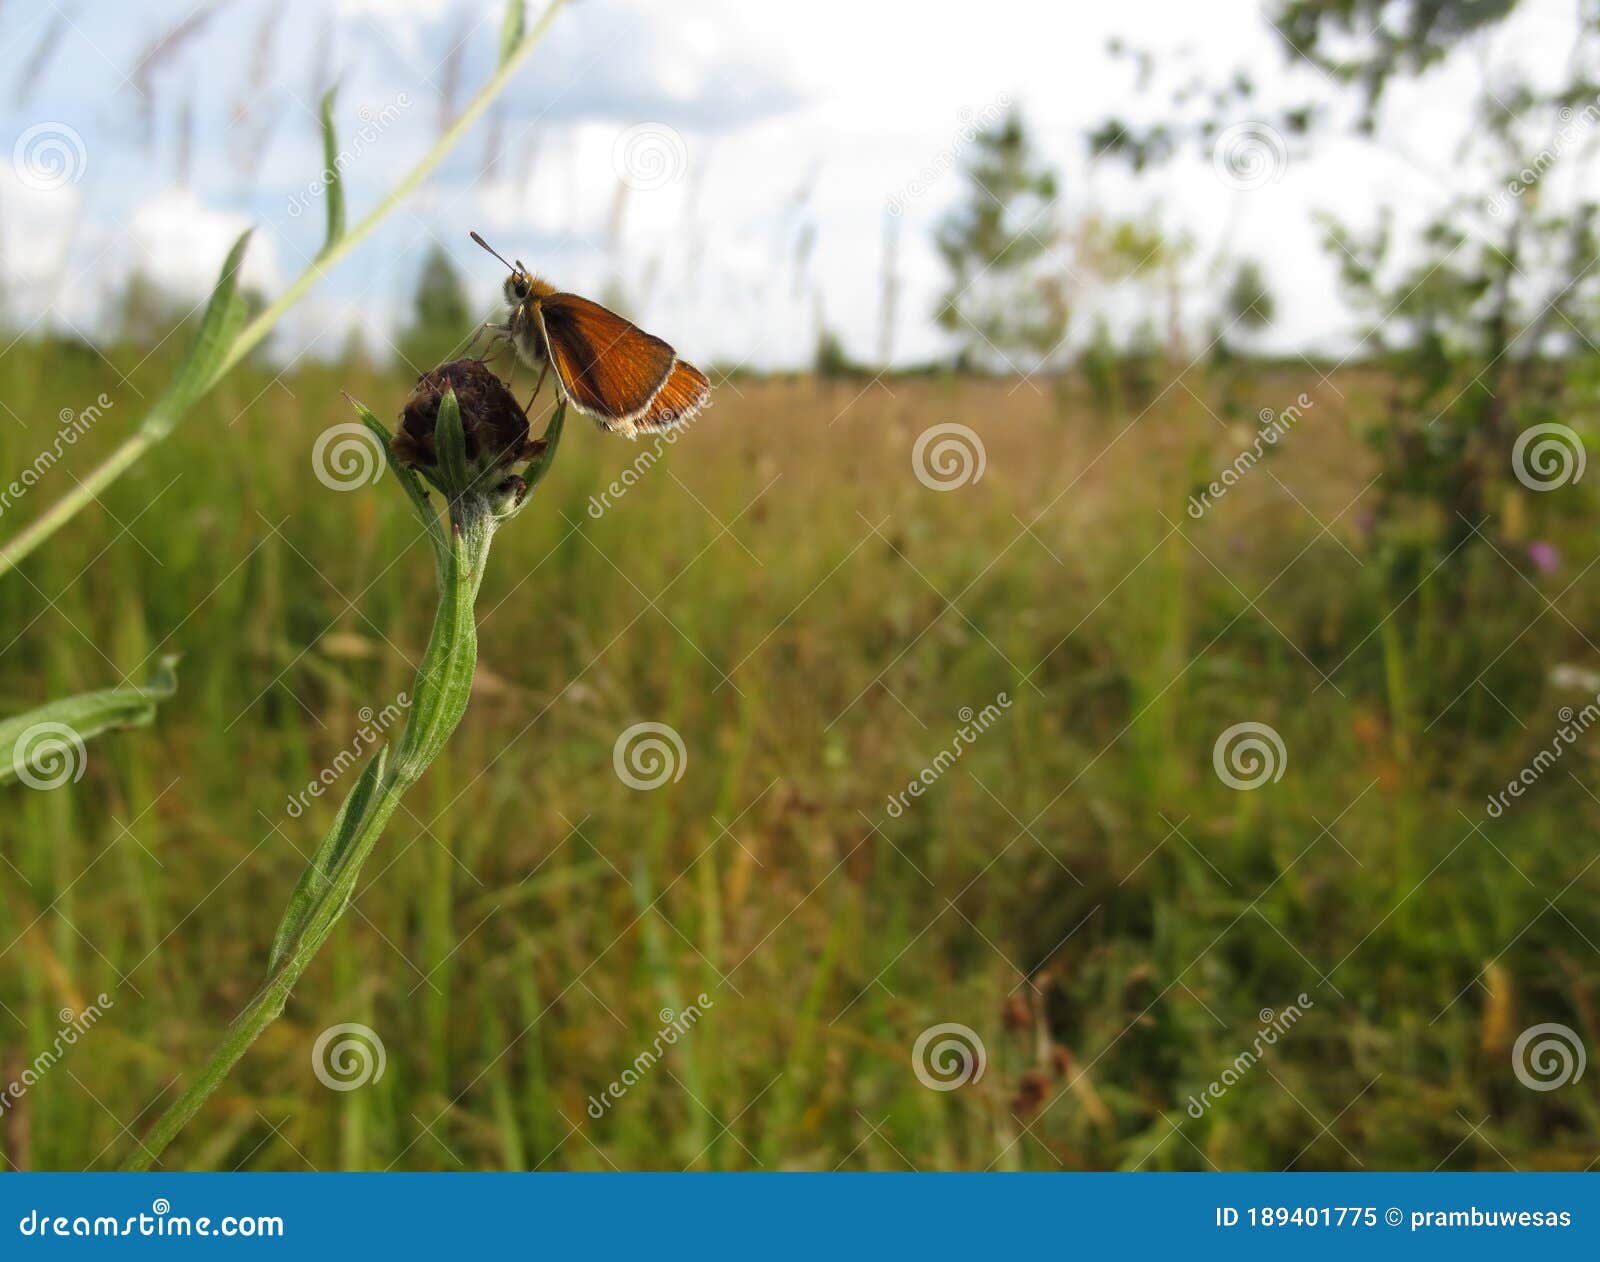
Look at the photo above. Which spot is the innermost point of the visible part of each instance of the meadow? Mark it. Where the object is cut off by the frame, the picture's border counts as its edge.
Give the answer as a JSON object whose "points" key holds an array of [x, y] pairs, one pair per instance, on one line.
{"points": [[1079, 885]]}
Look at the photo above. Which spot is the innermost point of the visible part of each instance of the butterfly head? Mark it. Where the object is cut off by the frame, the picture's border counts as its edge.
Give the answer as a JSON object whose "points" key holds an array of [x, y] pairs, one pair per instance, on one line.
{"points": [[519, 286], [522, 285]]}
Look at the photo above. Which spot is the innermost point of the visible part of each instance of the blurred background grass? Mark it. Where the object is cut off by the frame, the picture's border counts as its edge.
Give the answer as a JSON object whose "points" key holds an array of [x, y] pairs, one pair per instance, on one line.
{"points": [[1080, 888]]}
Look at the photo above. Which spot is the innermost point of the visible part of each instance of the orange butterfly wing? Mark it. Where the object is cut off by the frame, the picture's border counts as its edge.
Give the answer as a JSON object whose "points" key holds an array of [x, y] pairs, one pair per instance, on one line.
{"points": [[609, 367], [684, 393]]}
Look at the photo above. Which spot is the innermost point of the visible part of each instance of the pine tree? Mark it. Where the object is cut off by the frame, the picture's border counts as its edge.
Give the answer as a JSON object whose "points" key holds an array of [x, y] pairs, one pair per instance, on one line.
{"points": [[1006, 303], [441, 319]]}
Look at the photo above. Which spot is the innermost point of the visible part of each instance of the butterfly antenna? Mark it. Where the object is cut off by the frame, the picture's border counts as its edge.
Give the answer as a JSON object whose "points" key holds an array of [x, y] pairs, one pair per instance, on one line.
{"points": [[494, 252]]}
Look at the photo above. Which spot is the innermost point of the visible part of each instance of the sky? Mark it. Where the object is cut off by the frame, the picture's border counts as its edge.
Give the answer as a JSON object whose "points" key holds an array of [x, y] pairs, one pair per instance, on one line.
{"points": [[723, 169]]}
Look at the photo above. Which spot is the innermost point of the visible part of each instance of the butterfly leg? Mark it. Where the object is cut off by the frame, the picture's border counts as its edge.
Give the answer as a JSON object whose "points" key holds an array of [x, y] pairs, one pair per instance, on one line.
{"points": [[497, 333], [500, 344], [538, 386]]}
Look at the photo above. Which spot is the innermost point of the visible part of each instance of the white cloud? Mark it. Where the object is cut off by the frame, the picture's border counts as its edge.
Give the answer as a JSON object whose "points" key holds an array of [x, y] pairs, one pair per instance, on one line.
{"points": [[36, 234], [182, 243]]}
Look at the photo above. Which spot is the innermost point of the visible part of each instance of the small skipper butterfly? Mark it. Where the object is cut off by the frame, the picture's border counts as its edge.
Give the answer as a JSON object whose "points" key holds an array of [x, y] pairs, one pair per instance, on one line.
{"points": [[629, 381]]}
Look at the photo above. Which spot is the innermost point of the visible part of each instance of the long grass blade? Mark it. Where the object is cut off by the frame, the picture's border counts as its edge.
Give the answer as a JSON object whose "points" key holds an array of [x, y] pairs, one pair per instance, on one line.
{"points": [[332, 175], [512, 27], [219, 327]]}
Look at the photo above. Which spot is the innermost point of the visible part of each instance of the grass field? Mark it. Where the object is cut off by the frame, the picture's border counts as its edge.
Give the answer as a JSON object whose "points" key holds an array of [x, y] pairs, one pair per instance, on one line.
{"points": [[1079, 886]]}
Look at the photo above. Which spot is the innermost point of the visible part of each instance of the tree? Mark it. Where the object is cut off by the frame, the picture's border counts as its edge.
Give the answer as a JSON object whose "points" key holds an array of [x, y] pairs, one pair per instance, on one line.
{"points": [[1486, 312], [441, 319], [1368, 43], [1248, 305], [145, 313], [1487, 317], [1006, 304]]}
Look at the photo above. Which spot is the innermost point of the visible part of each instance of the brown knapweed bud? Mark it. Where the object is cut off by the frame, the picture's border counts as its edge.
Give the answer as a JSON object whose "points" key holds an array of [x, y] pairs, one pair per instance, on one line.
{"points": [[495, 426]]}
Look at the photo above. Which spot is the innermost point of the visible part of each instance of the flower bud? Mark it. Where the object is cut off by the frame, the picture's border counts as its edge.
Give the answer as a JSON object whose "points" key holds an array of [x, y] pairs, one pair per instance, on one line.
{"points": [[493, 425]]}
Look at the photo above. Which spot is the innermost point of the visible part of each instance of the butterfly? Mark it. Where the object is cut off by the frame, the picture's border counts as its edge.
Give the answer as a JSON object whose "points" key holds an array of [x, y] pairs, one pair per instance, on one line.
{"points": [[629, 381]]}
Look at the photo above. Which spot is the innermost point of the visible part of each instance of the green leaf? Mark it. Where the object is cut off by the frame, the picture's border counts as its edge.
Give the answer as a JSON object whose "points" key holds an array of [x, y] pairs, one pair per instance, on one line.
{"points": [[450, 444], [410, 483], [319, 872], [512, 27], [332, 174], [44, 747], [552, 436], [219, 327]]}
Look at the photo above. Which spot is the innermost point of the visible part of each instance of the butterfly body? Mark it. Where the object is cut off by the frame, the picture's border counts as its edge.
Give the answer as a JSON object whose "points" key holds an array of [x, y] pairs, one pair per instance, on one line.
{"points": [[606, 367]]}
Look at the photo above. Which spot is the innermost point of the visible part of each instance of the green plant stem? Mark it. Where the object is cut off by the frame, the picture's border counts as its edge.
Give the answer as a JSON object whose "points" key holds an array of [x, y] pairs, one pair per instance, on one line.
{"points": [[439, 699], [155, 427]]}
